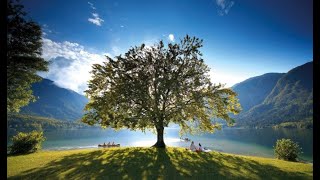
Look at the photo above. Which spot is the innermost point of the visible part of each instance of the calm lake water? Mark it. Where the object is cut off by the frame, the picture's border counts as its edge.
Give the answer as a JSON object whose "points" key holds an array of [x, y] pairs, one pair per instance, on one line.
{"points": [[256, 142]]}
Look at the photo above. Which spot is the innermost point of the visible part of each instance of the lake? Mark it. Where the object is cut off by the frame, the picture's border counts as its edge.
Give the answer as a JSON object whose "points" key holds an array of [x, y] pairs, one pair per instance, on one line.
{"points": [[256, 142]]}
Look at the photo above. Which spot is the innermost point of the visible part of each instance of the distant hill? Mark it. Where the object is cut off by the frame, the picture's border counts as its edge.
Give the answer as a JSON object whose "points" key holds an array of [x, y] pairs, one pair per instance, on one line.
{"points": [[27, 123], [253, 91], [290, 100], [55, 102]]}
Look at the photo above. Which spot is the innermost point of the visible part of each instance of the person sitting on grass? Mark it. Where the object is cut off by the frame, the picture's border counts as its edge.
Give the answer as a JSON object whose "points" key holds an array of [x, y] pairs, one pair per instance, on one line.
{"points": [[200, 148], [193, 147]]}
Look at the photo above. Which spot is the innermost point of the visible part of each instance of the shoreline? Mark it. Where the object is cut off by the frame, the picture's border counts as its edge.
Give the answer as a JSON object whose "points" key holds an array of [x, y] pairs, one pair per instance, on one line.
{"points": [[95, 147]]}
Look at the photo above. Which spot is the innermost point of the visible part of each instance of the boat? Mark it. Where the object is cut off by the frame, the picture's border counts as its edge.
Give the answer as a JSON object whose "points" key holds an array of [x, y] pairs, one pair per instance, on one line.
{"points": [[185, 139], [108, 145]]}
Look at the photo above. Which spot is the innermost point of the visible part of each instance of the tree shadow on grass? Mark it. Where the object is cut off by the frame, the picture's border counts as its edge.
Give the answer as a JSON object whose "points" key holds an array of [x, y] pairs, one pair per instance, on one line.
{"points": [[215, 165], [154, 163]]}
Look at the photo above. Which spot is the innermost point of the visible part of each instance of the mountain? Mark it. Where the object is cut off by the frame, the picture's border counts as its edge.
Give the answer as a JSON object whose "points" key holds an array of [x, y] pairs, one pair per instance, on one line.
{"points": [[290, 100], [253, 91], [55, 102], [26, 123]]}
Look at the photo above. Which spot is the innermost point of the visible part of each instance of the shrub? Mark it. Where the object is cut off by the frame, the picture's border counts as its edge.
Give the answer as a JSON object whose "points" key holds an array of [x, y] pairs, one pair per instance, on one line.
{"points": [[286, 149], [26, 142]]}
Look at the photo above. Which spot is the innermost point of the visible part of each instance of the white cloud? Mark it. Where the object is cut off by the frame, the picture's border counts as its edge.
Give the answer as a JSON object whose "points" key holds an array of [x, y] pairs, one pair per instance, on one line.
{"points": [[224, 6], [115, 50], [45, 30], [70, 64], [96, 19], [171, 37], [226, 78], [91, 5]]}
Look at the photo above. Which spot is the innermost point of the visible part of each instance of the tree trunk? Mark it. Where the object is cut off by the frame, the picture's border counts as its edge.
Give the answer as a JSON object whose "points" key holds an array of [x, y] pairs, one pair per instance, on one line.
{"points": [[160, 142]]}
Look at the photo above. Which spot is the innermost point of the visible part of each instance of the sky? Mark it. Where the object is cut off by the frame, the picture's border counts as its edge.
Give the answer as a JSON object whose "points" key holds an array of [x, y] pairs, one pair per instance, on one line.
{"points": [[241, 38]]}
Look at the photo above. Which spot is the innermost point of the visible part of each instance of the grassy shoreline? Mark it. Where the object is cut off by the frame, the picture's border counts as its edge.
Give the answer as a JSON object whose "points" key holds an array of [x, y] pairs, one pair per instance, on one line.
{"points": [[217, 151], [299, 159], [150, 163]]}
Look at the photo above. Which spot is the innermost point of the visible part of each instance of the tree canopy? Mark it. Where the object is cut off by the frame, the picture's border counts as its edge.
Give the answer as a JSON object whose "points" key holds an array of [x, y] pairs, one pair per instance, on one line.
{"points": [[149, 87], [23, 57]]}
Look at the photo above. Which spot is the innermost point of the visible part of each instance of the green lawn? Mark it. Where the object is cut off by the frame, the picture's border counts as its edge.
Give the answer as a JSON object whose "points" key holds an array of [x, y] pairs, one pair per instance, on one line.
{"points": [[150, 163]]}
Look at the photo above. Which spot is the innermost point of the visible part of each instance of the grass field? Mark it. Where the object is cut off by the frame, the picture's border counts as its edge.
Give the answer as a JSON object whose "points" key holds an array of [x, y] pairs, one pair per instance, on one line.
{"points": [[150, 163]]}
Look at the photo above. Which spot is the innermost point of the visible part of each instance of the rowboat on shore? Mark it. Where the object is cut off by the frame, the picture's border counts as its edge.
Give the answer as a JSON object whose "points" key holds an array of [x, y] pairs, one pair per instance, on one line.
{"points": [[108, 145], [185, 139]]}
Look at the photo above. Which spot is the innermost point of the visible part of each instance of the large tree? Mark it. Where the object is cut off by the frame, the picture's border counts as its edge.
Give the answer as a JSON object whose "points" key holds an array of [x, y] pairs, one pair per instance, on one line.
{"points": [[23, 57], [149, 87]]}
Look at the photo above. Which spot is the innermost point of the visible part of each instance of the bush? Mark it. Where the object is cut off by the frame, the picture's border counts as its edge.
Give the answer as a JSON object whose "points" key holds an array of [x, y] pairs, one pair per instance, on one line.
{"points": [[26, 142], [286, 149]]}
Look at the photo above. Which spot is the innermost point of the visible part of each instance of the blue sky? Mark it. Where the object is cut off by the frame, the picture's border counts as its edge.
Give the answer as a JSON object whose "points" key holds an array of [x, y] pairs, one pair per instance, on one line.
{"points": [[242, 38]]}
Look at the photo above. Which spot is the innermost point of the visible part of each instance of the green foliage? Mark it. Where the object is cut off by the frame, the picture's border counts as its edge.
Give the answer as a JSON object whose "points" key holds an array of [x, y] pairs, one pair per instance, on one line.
{"points": [[306, 124], [23, 57], [26, 142], [27, 123], [286, 149], [149, 87]]}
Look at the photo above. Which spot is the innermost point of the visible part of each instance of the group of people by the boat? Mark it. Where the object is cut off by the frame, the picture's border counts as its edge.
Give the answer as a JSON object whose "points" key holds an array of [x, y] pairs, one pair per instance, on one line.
{"points": [[194, 148], [185, 139], [109, 145]]}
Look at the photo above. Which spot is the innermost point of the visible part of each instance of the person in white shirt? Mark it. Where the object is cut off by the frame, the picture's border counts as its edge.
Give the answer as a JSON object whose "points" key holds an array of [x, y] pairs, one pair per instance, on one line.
{"points": [[193, 147]]}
